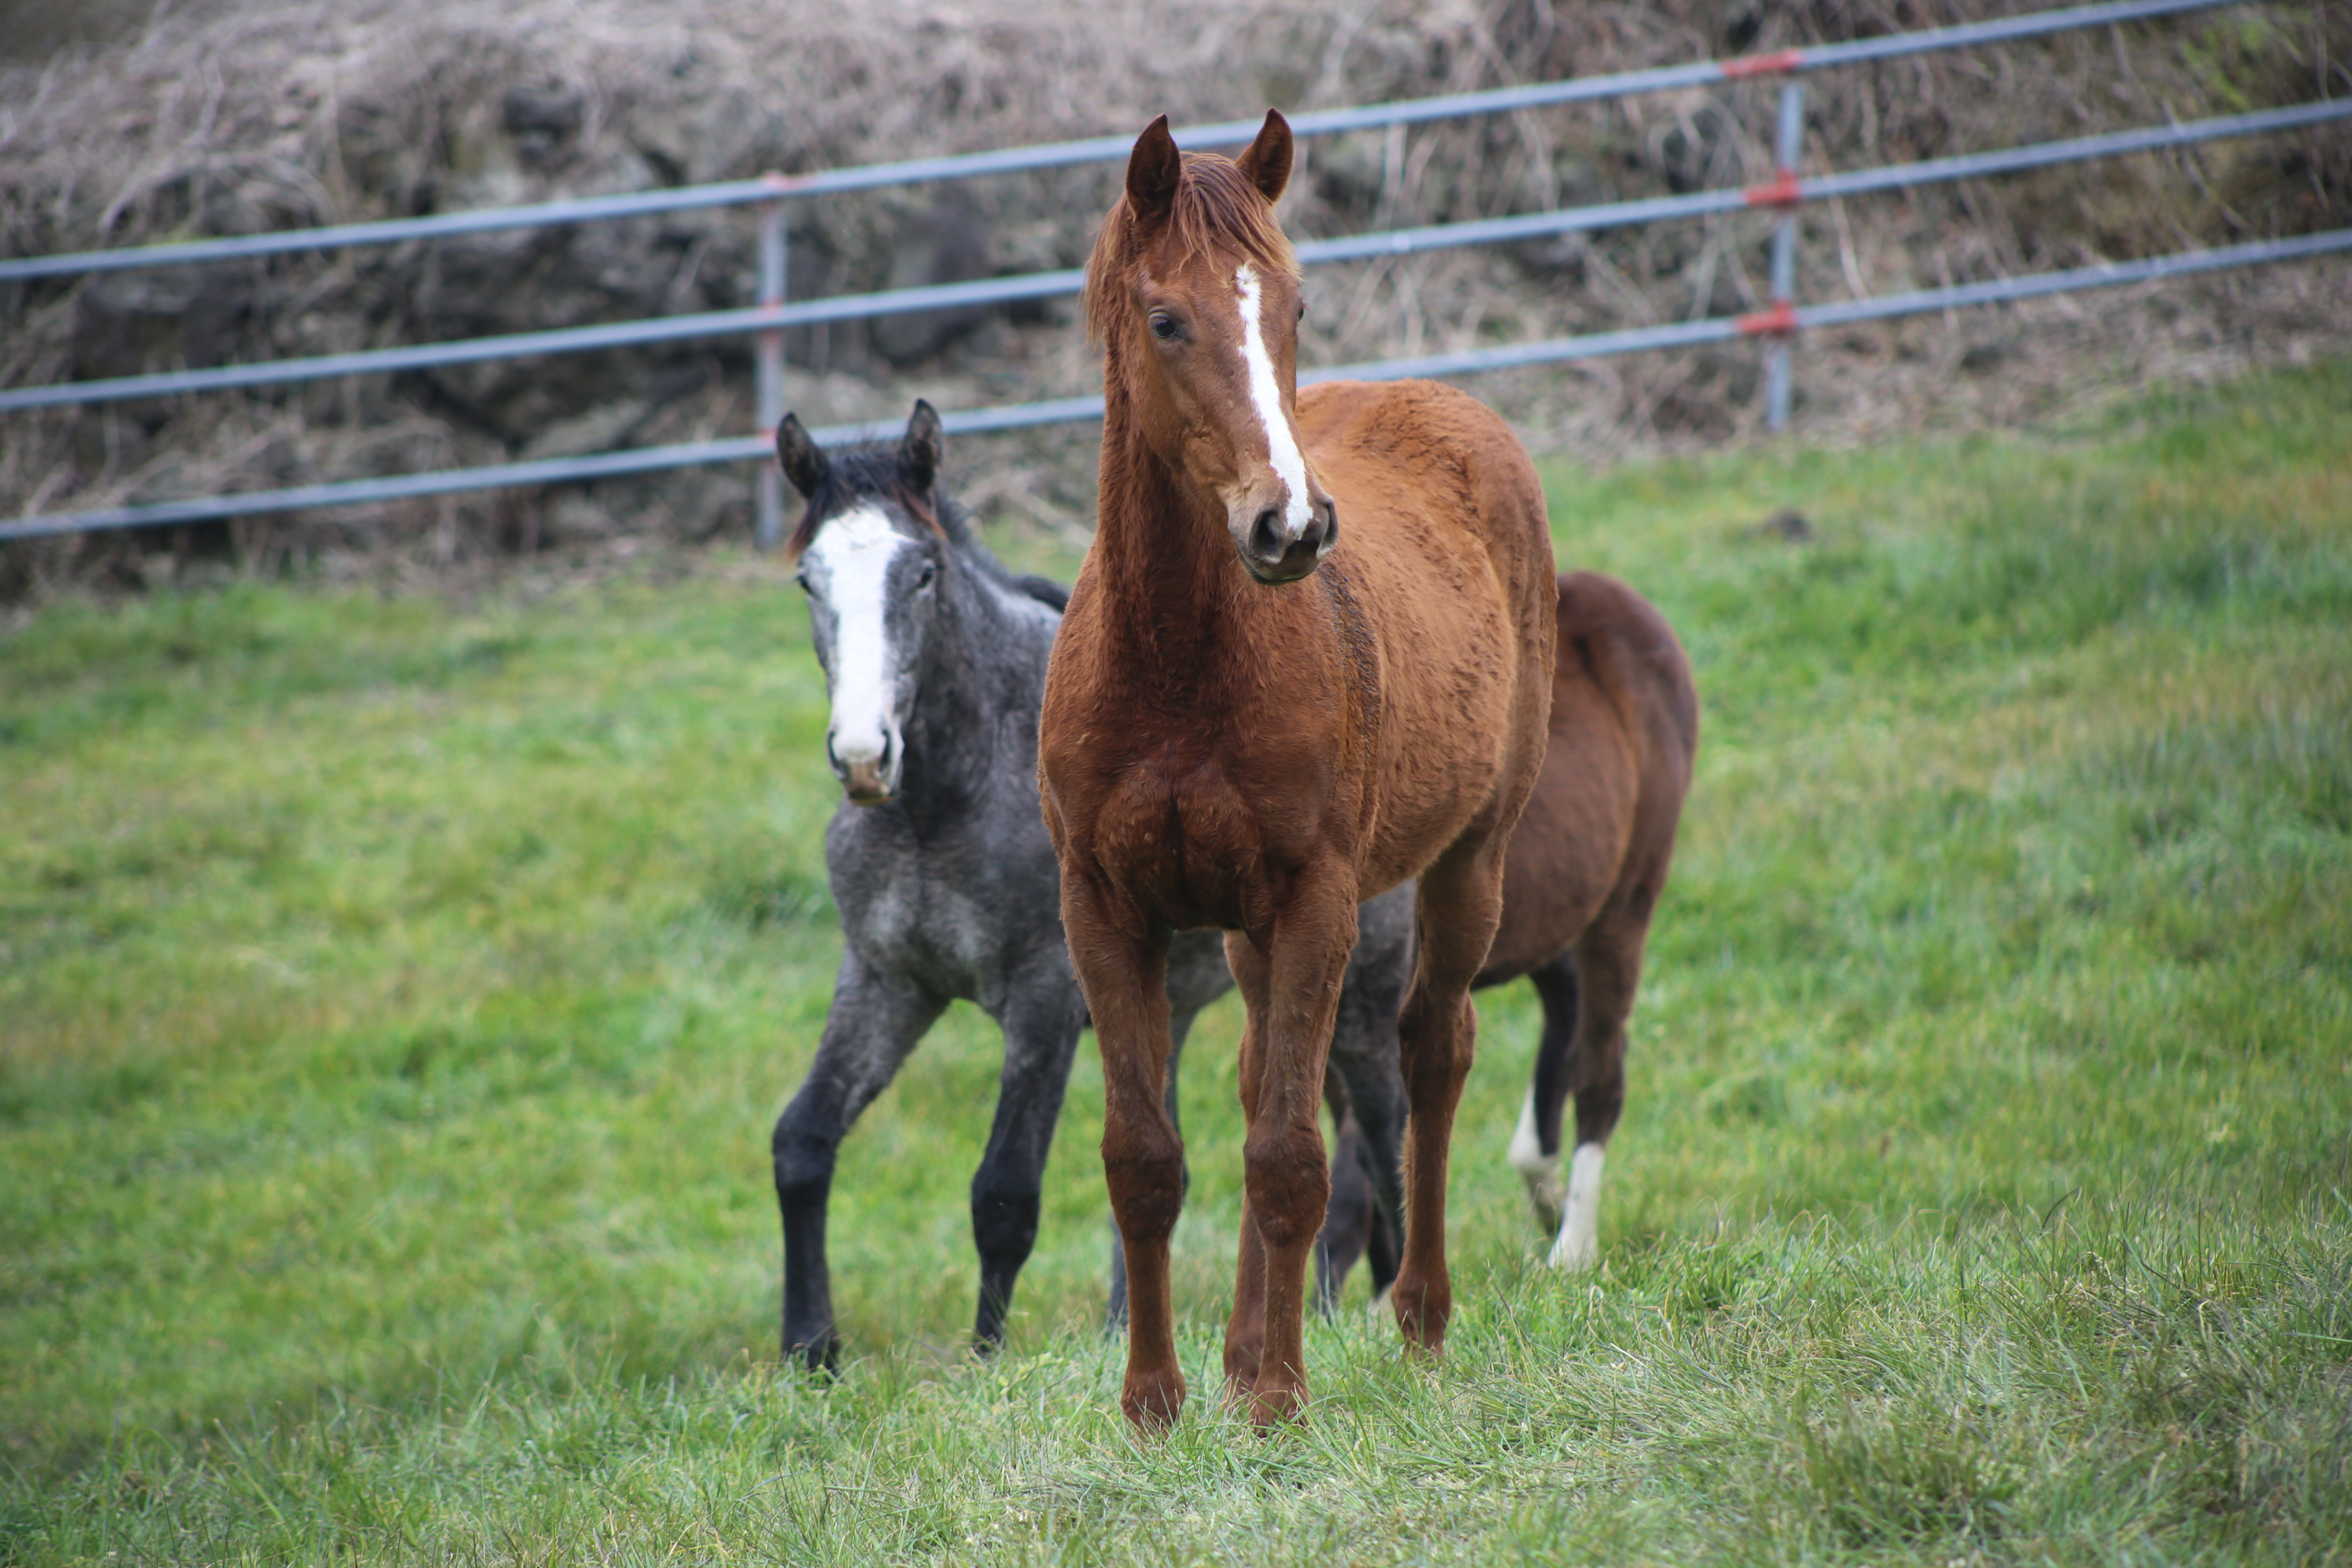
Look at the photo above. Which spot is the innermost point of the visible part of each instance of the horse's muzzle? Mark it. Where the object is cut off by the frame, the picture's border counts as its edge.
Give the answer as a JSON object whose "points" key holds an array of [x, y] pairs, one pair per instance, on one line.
{"points": [[1271, 556], [868, 780]]}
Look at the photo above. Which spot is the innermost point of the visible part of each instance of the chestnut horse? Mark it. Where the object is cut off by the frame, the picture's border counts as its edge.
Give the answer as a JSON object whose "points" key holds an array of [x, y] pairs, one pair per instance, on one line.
{"points": [[1309, 656]]}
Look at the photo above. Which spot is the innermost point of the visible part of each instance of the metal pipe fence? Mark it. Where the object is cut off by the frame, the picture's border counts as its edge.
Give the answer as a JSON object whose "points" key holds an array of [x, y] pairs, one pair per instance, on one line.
{"points": [[767, 321]]}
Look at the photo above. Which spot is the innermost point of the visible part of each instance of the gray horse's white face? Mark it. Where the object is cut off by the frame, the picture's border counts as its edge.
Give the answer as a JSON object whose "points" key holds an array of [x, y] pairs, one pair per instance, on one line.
{"points": [[871, 580]]}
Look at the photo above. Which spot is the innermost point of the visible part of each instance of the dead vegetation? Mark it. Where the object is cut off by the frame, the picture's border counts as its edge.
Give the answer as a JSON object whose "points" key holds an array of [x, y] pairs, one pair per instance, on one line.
{"points": [[295, 113]]}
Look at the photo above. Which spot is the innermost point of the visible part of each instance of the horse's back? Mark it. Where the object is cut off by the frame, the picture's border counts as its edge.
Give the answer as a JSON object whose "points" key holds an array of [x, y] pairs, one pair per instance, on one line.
{"points": [[1437, 445], [1442, 533]]}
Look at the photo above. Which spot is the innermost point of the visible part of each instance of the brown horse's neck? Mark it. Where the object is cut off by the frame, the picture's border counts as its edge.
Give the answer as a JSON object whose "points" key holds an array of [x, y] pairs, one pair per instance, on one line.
{"points": [[1172, 586]]}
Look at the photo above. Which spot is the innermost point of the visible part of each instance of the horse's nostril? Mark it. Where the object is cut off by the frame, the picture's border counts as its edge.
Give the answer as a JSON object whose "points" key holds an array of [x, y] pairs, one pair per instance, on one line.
{"points": [[1265, 535], [1328, 516]]}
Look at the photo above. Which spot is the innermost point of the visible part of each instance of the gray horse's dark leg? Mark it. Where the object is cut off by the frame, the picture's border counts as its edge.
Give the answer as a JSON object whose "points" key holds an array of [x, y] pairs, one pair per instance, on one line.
{"points": [[868, 1032], [1179, 1024], [1042, 1024], [1348, 1220], [1365, 1219], [1367, 1214]]}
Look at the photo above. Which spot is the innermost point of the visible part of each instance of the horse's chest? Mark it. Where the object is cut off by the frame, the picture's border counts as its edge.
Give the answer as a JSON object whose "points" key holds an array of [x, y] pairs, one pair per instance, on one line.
{"points": [[948, 915], [1185, 840]]}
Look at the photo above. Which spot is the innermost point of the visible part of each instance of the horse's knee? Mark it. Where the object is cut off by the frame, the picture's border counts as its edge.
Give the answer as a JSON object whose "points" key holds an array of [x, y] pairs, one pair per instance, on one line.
{"points": [[1003, 1223], [1436, 1037], [1146, 1178], [802, 1153], [1288, 1184]]}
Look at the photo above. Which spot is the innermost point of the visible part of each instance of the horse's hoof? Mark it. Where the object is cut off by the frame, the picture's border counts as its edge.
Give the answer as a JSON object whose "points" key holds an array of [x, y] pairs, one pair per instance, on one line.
{"points": [[1272, 1406], [820, 1355], [1573, 1254], [1152, 1406], [1547, 1193], [1421, 1321]]}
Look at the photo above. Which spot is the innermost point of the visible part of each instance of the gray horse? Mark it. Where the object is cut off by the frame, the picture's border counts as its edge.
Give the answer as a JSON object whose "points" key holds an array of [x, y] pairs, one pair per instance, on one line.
{"points": [[934, 657]]}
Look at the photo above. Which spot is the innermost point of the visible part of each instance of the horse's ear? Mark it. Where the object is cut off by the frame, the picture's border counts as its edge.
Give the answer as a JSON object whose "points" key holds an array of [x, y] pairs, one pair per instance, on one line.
{"points": [[1152, 170], [1266, 162], [803, 460], [924, 447]]}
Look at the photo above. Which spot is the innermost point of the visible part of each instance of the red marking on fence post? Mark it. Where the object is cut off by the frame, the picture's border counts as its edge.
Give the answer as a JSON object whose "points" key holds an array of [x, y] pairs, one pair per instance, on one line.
{"points": [[1781, 191], [1779, 322], [1779, 62]]}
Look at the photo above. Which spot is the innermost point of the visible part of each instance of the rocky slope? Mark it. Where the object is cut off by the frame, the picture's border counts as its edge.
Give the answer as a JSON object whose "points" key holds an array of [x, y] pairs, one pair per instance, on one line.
{"points": [[220, 120]]}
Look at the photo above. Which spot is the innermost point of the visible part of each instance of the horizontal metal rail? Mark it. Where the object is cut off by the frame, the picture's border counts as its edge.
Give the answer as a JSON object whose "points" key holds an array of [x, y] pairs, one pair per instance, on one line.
{"points": [[1787, 192], [1101, 149], [1070, 410]]}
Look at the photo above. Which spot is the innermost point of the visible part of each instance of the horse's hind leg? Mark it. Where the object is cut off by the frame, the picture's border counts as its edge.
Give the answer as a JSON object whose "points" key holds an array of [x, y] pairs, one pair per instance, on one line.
{"points": [[1609, 971], [1461, 898], [1366, 1099], [1347, 1218], [872, 1025], [1042, 1020], [1535, 1144]]}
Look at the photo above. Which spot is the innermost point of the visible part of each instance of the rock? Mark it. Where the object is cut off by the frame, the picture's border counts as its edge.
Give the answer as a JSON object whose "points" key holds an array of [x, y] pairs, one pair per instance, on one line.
{"points": [[134, 324], [544, 122], [600, 430], [945, 243]]}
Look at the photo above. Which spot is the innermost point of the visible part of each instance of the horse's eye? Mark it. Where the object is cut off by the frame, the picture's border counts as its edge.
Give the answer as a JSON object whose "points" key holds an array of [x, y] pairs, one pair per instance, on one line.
{"points": [[802, 578], [1164, 327], [931, 571], [1302, 310]]}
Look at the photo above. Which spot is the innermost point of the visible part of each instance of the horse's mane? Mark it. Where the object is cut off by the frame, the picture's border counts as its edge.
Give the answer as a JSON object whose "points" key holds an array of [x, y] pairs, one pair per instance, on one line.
{"points": [[1216, 205], [872, 472]]}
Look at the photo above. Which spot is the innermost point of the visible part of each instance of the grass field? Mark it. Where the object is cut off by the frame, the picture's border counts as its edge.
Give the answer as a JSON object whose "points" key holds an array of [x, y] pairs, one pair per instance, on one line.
{"points": [[395, 996]]}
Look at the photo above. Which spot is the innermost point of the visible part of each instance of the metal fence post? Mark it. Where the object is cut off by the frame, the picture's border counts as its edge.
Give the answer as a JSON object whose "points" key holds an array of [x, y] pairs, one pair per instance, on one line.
{"points": [[1788, 148], [768, 529]]}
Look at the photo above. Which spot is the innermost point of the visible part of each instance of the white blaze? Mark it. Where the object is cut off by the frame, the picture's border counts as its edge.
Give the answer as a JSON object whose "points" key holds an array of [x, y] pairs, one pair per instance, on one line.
{"points": [[1281, 444], [1579, 1246], [848, 565]]}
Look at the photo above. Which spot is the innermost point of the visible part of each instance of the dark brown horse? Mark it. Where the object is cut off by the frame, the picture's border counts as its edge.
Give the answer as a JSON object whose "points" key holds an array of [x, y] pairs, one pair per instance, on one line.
{"points": [[1232, 737], [1586, 864]]}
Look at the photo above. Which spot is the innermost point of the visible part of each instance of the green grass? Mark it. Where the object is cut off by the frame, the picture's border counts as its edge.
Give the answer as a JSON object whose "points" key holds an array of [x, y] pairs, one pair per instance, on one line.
{"points": [[395, 998]]}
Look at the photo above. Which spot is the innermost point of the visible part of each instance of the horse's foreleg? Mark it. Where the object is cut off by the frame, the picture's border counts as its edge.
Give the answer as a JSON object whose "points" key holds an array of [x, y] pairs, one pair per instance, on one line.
{"points": [[870, 1028], [1180, 1025], [1042, 1020], [1460, 900], [1293, 994], [1124, 972]]}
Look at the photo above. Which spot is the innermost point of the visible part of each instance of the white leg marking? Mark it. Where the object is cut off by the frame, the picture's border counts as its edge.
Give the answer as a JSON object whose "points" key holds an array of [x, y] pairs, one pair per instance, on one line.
{"points": [[1579, 1246], [1539, 1170], [1281, 442], [849, 566]]}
